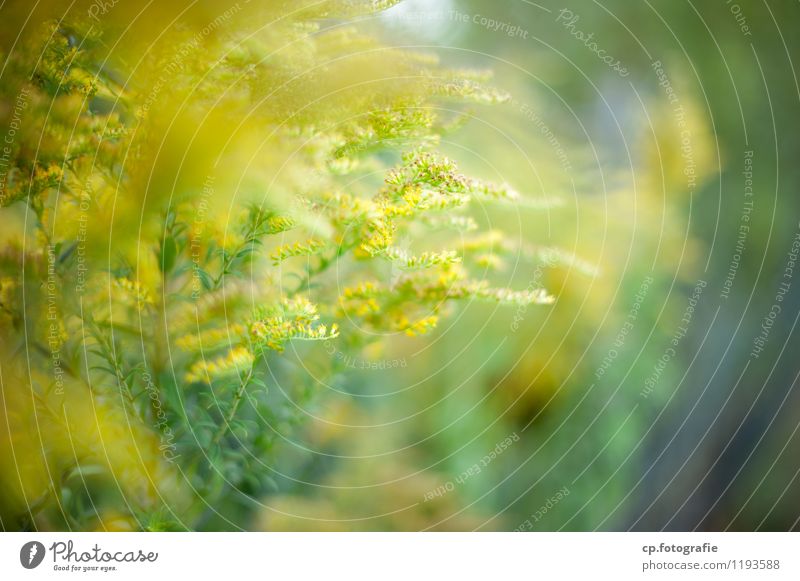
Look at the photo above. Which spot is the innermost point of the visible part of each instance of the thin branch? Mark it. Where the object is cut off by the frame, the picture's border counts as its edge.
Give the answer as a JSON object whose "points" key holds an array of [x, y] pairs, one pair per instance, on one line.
{"points": [[237, 400]]}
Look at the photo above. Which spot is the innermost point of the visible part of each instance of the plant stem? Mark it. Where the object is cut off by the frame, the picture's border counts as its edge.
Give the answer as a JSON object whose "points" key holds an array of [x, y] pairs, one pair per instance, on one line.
{"points": [[325, 264], [237, 400]]}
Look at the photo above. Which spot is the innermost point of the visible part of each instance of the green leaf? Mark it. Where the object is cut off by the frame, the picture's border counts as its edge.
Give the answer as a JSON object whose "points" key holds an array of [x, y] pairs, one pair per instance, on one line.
{"points": [[169, 252], [205, 279]]}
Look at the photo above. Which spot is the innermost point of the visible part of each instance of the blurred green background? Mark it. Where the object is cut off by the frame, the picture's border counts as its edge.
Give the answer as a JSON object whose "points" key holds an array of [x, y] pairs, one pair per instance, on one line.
{"points": [[635, 398]]}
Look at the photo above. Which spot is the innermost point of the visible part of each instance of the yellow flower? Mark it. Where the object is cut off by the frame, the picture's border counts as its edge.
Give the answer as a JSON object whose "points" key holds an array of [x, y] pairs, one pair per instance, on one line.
{"points": [[419, 327], [8, 287], [210, 338], [308, 248], [294, 320], [135, 291], [237, 360]]}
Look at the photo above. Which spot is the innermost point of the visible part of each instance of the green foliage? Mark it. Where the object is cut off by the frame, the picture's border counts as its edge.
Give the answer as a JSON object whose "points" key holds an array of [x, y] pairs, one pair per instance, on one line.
{"points": [[194, 220]]}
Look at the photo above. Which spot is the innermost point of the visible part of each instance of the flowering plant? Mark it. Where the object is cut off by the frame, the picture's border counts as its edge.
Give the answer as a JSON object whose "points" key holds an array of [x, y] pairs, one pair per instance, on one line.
{"points": [[177, 224]]}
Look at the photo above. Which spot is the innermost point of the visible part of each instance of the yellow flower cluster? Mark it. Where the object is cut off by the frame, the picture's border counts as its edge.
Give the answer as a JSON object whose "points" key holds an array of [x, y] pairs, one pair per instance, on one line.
{"points": [[469, 90], [344, 208], [134, 291], [419, 327], [47, 177], [56, 67], [8, 288], [184, 265], [360, 300], [379, 236], [307, 248], [237, 360], [416, 199], [451, 222], [405, 305], [489, 261], [295, 319], [300, 306], [277, 224], [424, 260], [481, 290], [20, 186], [493, 240], [210, 338], [426, 186], [487, 249]]}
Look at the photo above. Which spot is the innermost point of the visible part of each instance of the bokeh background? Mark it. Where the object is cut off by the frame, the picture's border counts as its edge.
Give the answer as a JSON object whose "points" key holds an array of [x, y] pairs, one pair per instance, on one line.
{"points": [[659, 391], [615, 430]]}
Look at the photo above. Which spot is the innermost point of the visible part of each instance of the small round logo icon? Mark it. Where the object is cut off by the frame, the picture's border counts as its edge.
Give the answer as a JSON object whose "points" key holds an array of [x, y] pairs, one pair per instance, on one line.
{"points": [[31, 554]]}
